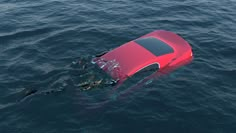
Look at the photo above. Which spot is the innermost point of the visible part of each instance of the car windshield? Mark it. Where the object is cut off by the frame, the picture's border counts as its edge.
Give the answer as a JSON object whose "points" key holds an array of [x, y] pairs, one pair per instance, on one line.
{"points": [[155, 46]]}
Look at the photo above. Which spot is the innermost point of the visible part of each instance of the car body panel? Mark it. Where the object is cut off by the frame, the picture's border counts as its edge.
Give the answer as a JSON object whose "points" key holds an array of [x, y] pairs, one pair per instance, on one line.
{"points": [[129, 58]]}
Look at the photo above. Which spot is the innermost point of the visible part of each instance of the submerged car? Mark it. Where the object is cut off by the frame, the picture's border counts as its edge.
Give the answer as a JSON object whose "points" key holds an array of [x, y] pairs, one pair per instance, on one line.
{"points": [[160, 47]]}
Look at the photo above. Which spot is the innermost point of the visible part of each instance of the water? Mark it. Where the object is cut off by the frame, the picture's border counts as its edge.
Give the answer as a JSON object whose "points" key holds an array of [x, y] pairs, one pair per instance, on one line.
{"points": [[41, 42]]}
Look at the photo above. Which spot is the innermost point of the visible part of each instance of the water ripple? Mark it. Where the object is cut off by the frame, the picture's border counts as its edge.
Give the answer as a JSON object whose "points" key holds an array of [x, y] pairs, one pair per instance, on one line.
{"points": [[42, 45]]}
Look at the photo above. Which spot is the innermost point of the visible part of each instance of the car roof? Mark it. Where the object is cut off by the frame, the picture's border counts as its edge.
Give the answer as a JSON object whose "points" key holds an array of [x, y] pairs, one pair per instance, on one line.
{"points": [[154, 45], [130, 56]]}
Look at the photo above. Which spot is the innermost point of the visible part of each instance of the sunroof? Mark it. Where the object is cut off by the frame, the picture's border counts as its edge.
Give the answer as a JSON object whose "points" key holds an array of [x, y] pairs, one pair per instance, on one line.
{"points": [[155, 46]]}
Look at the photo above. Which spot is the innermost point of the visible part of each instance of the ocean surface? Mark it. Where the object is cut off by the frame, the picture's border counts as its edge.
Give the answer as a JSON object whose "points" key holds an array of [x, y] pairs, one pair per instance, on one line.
{"points": [[46, 47]]}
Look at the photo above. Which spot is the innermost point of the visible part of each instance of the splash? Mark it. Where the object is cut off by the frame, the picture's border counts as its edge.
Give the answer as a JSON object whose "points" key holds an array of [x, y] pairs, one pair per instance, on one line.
{"points": [[112, 67]]}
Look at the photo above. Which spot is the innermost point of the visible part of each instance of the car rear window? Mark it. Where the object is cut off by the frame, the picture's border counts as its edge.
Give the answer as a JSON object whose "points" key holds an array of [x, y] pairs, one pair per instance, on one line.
{"points": [[155, 46]]}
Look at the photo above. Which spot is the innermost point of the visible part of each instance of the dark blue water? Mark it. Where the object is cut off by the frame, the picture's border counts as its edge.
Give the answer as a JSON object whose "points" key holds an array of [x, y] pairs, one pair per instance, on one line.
{"points": [[41, 42]]}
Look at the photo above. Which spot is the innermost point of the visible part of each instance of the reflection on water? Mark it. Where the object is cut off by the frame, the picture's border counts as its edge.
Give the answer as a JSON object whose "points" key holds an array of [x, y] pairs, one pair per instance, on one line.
{"points": [[40, 39], [154, 74]]}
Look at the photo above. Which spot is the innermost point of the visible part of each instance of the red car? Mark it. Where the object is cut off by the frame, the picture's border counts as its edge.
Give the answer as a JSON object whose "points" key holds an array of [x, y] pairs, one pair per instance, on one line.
{"points": [[160, 47]]}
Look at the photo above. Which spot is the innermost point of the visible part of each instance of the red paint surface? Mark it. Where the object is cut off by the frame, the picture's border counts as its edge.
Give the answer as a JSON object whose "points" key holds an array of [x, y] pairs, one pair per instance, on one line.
{"points": [[132, 57]]}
